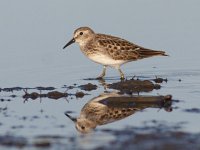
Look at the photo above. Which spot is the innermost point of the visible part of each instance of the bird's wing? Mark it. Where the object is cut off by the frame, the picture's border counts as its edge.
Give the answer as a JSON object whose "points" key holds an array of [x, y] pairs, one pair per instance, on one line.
{"points": [[119, 48]]}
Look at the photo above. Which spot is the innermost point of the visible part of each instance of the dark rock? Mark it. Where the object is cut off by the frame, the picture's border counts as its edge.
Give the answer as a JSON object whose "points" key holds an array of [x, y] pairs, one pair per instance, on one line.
{"points": [[52, 95], [134, 86], [56, 95], [79, 94], [88, 87], [33, 95], [159, 80]]}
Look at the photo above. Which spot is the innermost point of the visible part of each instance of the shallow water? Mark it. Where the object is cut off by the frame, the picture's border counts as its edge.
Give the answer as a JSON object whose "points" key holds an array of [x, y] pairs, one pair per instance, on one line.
{"points": [[32, 37]]}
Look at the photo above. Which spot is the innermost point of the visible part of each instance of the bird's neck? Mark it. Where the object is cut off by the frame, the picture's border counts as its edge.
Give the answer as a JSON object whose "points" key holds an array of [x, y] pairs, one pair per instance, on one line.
{"points": [[85, 44]]}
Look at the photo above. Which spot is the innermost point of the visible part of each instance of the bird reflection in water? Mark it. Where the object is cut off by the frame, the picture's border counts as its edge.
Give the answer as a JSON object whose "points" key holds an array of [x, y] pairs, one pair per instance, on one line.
{"points": [[110, 107]]}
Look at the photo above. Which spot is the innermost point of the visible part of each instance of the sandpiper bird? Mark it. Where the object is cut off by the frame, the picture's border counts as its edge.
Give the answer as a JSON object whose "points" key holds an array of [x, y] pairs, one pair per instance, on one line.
{"points": [[109, 50], [111, 107]]}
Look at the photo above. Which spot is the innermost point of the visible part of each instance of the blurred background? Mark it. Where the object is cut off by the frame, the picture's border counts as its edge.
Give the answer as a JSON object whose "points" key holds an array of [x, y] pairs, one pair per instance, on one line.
{"points": [[32, 34]]}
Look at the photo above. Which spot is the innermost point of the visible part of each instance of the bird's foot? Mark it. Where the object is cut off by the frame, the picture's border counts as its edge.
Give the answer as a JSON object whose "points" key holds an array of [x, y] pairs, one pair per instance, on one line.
{"points": [[122, 78], [99, 78]]}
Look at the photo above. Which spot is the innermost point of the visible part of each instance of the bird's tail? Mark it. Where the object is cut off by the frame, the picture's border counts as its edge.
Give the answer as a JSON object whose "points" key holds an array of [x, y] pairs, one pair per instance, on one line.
{"points": [[144, 53]]}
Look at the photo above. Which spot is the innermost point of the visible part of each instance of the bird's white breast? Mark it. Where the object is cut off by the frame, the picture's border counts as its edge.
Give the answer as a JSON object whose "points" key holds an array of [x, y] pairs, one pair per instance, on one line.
{"points": [[106, 60]]}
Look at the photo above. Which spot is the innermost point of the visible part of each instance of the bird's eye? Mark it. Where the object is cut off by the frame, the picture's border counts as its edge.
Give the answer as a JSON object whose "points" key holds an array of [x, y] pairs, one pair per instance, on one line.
{"points": [[81, 33]]}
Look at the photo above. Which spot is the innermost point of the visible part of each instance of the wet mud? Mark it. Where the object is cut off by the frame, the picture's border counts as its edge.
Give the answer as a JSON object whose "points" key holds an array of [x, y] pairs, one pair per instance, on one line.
{"points": [[88, 87], [13, 89], [193, 110], [157, 136], [51, 95], [123, 99], [134, 86], [160, 80], [153, 138]]}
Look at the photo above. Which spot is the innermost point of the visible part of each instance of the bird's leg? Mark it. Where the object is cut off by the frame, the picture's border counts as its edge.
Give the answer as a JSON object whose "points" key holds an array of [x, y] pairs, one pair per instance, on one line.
{"points": [[121, 74], [104, 84], [103, 73]]}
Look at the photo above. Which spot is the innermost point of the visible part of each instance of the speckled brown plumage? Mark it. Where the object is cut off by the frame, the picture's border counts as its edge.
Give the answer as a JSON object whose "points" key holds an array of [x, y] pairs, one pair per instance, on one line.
{"points": [[120, 49], [111, 107], [103, 114], [109, 50]]}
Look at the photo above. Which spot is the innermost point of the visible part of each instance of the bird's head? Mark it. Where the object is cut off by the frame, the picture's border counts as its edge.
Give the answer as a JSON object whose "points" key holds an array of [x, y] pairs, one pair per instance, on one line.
{"points": [[81, 35]]}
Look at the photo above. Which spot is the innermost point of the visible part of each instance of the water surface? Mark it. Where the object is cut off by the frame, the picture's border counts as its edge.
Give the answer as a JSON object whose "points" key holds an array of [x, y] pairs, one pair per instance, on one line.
{"points": [[32, 37]]}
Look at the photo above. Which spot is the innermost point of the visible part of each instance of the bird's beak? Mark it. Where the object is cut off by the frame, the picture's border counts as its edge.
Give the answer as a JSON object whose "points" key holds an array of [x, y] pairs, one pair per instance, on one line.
{"points": [[69, 43], [70, 117]]}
